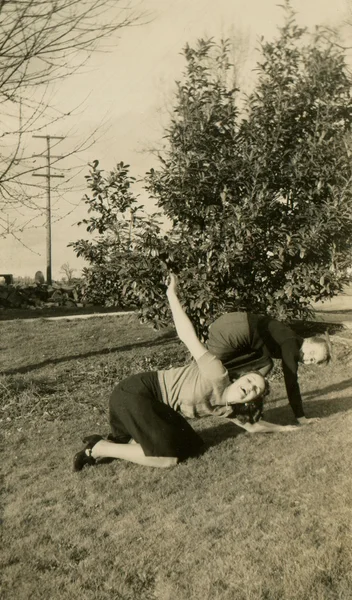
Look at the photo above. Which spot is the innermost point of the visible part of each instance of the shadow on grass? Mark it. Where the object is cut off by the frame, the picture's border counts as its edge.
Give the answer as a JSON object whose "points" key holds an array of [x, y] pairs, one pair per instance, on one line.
{"points": [[336, 387], [317, 408], [215, 435], [166, 338], [333, 388]]}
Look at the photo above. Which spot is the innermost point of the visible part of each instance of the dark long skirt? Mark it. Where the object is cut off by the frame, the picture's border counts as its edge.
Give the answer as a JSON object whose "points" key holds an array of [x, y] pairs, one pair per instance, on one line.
{"points": [[138, 412]]}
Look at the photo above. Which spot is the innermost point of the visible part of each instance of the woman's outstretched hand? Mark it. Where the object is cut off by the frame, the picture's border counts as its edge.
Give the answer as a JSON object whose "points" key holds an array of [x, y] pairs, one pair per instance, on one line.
{"points": [[171, 283]]}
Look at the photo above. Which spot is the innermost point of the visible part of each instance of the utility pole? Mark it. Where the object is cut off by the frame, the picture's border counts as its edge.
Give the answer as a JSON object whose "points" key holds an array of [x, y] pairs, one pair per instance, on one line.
{"points": [[48, 176]]}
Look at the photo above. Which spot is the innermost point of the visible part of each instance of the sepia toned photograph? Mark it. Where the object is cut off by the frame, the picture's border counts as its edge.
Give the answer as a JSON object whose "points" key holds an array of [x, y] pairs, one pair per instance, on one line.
{"points": [[176, 299]]}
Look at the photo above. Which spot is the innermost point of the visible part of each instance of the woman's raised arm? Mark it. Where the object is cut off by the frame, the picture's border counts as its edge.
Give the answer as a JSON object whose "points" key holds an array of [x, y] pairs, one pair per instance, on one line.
{"points": [[184, 327]]}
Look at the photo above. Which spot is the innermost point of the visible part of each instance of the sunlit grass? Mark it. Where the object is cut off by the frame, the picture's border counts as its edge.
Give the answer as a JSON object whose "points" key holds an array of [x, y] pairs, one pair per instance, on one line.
{"points": [[253, 518]]}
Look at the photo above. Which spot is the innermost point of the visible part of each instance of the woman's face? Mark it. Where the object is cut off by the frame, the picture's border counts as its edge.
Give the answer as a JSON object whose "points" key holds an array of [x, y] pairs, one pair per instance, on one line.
{"points": [[246, 388]]}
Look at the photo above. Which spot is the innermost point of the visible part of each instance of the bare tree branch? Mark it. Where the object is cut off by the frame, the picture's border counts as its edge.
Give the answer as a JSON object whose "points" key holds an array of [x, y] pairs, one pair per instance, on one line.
{"points": [[42, 42]]}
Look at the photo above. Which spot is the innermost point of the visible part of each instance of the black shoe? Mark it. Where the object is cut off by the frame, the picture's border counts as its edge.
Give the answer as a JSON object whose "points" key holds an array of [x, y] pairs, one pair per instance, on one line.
{"points": [[81, 458], [91, 440]]}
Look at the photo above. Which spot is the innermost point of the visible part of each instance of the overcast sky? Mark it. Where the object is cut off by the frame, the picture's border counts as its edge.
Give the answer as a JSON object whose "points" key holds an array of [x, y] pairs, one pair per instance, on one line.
{"points": [[129, 89]]}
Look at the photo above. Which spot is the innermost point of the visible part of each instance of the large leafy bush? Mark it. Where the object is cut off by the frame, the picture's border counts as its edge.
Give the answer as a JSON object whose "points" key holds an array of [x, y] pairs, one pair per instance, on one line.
{"points": [[259, 201]]}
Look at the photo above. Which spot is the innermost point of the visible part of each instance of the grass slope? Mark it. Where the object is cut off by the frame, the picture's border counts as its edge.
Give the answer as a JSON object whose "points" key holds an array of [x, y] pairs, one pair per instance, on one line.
{"points": [[266, 517]]}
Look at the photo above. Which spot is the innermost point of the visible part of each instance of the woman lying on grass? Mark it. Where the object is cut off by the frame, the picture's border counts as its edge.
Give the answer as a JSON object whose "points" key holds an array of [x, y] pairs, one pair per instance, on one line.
{"points": [[148, 410]]}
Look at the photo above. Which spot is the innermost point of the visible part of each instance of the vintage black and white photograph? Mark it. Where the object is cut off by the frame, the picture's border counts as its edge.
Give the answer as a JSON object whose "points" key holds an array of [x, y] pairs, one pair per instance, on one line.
{"points": [[176, 299]]}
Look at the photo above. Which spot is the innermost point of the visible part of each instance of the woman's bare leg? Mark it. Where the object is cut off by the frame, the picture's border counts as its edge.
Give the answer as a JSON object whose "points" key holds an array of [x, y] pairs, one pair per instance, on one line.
{"points": [[132, 452]]}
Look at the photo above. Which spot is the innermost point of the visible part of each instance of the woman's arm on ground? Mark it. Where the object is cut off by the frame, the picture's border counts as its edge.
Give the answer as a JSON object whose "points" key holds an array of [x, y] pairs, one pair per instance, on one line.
{"points": [[184, 327], [264, 427], [305, 421]]}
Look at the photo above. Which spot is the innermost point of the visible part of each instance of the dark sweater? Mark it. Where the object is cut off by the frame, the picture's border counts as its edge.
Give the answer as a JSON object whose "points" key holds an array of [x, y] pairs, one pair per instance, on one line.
{"points": [[242, 338]]}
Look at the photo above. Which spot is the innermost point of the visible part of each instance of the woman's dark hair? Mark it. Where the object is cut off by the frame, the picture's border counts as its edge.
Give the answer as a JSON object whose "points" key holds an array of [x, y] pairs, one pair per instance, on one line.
{"points": [[250, 412]]}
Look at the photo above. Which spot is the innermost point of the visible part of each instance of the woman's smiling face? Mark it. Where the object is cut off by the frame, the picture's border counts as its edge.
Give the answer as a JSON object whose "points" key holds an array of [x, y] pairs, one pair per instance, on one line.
{"points": [[248, 387]]}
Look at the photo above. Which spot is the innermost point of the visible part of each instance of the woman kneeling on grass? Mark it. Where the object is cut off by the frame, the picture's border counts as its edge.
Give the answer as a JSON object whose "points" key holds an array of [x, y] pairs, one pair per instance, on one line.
{"points": [[148, 410]]}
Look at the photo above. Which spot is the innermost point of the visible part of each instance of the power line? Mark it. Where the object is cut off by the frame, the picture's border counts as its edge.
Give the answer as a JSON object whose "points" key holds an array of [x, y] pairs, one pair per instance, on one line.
{"points": [[48, 176]]}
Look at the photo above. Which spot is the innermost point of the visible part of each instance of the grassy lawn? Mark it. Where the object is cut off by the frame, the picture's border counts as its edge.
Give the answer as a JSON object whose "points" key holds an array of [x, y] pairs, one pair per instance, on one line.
{"points": [[253, 518]]}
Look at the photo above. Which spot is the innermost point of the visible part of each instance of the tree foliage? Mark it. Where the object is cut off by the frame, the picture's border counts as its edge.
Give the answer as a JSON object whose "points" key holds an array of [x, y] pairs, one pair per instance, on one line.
{"points": [[259, 202], [296, 141], [127, 246]]}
